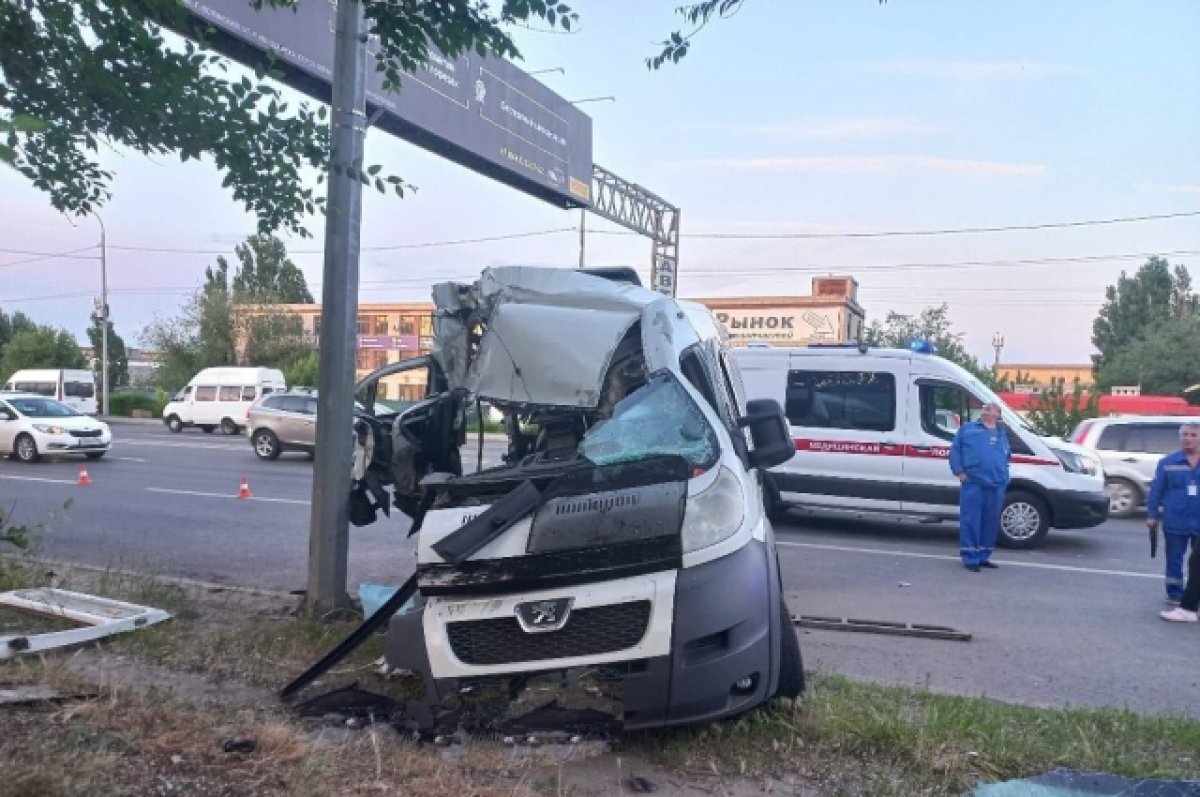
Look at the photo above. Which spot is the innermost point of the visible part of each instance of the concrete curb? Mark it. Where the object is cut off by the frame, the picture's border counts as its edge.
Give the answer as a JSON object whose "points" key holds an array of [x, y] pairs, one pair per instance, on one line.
{"points": [[121, 420]]}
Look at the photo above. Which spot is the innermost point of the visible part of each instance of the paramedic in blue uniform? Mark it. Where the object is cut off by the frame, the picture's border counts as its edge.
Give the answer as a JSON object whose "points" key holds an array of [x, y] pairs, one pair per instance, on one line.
{"points": [[979, 458], [1175, 501]]}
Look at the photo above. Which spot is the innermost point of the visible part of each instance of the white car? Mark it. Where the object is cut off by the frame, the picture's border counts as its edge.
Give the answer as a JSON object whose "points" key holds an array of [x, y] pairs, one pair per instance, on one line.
{"points": [[33, 426]]}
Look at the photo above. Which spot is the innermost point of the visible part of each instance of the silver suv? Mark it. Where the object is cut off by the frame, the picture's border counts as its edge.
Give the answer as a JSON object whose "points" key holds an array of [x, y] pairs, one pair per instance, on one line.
{"points": [[1129, 448], [285, 421]]}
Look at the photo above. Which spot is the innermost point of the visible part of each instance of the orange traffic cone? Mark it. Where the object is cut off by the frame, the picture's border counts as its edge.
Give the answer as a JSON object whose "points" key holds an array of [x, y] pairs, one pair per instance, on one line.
{"points": [[84, 480], [244, 490]]}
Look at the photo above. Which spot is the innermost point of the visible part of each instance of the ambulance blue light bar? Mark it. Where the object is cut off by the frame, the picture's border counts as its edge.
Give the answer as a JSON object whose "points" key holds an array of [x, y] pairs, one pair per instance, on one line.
{"points": [[922, 347]]}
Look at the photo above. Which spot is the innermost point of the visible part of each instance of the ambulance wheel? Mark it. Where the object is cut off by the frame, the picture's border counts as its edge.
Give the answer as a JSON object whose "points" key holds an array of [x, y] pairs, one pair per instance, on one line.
{"points": [[1024, 521], [791, 666]]}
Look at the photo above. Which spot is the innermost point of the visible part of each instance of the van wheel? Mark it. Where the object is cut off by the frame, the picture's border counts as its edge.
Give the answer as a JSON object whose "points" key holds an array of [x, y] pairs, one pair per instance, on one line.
{"points": [[1024, 521], [791, 666], [228, 426], [26, 449], [207, 428], [1123, 497], [266, 444], [174, 424]]}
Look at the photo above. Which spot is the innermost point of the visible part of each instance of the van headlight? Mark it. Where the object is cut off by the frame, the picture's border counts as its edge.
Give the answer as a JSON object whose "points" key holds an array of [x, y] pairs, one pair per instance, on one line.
{"points": [[715, 514], [1077, 463]]}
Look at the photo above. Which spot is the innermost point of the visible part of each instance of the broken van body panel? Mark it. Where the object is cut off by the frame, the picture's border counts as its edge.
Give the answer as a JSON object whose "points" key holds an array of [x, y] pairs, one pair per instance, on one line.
{"points": [[622, 539]]}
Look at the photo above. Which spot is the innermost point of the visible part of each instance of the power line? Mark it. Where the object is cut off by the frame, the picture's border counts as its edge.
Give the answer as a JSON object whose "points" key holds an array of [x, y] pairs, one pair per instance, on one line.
{"points": [[40, 256], [902, 233], [386, 248], [889, 267]]}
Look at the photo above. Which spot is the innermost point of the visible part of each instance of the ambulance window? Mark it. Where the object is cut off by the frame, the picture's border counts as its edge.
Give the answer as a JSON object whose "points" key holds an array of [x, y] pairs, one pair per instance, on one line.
{"points": [[842, 400], [944, 408]]}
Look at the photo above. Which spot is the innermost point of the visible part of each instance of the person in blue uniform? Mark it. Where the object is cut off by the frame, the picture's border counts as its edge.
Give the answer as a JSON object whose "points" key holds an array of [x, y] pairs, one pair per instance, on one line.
{"points": [[979, 459], [1175, 502]]}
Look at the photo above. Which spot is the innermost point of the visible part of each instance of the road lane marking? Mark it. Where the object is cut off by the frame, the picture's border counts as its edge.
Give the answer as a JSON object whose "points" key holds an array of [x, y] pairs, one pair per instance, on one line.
{"points": [[226, 495], [948, 558], [38, 479], [172, 444], [127, 459]]}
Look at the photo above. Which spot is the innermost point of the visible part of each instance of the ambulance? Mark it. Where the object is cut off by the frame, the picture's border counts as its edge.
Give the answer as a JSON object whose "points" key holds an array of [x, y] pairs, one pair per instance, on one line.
{"points": [[872, 430]]}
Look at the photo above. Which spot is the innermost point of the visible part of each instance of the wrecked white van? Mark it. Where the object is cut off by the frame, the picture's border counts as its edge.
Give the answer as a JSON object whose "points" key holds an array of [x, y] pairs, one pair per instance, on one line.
{"points": [[623, 540]]}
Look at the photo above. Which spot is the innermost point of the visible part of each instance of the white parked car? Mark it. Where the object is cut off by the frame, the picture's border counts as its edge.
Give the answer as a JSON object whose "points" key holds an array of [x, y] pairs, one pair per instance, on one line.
{"points": [[33, 426]]}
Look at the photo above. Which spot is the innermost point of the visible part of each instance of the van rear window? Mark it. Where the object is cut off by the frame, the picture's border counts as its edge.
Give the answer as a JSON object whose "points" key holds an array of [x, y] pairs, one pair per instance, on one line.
{"points": [[79, 389], [842, 400]]}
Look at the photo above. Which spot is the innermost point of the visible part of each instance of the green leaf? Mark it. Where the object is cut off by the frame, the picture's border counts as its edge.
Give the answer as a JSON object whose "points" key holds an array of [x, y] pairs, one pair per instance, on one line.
{"points": [[374, 169]]}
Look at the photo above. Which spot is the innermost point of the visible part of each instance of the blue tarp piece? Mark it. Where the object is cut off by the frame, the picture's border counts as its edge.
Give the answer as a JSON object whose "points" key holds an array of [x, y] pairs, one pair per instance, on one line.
{"points": [[1066, 783]]}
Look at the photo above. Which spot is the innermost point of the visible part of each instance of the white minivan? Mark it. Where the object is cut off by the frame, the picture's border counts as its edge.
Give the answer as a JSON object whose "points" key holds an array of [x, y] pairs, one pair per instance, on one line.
{"points": [[872, 430], [220, 397], [74, 387], [623, 537]]}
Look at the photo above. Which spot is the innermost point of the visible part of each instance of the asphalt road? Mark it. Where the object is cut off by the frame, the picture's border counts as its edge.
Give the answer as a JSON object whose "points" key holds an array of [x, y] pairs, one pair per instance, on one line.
{"points": [[1073, 623]]}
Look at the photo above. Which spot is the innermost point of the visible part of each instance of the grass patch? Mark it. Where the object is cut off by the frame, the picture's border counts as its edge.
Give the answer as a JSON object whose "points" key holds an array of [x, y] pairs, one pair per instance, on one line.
{"points": [[864, 738]]}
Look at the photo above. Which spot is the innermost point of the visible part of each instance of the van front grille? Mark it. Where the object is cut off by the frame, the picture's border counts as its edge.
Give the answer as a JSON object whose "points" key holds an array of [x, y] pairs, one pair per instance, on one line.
{"points": [[597, 629]]}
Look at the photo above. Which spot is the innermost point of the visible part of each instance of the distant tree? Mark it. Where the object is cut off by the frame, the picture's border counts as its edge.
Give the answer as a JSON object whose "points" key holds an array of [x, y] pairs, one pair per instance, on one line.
{"points": [[1057, 412], [266, 274], [1138, 304], [274, 338], [118, 358], [303, 372], [1163, 361], [41, 347], [931, 324], [11, 325]]}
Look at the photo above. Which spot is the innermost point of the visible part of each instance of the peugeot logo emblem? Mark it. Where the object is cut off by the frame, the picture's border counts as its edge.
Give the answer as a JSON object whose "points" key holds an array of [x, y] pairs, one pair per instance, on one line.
{"points": [[548, 615]]}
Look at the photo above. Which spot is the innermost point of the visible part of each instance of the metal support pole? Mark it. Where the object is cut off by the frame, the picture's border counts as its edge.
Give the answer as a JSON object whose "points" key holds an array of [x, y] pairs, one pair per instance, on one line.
{"points": [[329, 524], [103, 318], [582, 233]]}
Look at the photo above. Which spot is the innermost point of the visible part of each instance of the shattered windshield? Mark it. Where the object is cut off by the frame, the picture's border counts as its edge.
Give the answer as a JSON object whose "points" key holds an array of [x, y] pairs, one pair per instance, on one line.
{"points": [[655, 420]]}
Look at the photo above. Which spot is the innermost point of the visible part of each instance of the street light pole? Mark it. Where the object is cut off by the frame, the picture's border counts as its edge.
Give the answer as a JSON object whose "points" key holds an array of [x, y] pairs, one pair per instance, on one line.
{"points": [[997, 344], [103, 317]]}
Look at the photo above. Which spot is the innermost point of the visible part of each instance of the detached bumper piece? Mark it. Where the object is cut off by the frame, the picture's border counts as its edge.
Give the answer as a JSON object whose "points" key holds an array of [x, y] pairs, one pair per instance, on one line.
{"points": [[98, 617]]}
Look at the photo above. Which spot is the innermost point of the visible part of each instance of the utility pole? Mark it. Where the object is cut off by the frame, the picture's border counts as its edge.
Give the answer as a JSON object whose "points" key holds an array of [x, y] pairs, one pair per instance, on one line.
{"points": [[997, 344], [103, 317], [329, 523], [582, 233]]}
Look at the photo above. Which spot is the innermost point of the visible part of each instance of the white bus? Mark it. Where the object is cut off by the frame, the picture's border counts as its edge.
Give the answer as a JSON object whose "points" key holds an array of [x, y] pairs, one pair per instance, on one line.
{"points": [[74, 387]]}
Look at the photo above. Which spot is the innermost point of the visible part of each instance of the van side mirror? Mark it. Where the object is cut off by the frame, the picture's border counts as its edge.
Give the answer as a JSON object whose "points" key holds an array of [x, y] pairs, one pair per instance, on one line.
{"points": [[769, 431]]}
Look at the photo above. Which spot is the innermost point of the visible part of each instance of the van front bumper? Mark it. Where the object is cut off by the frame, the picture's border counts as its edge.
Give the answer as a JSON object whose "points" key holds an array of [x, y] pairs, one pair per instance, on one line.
{"points": [[1078, 509], [721, 658]]}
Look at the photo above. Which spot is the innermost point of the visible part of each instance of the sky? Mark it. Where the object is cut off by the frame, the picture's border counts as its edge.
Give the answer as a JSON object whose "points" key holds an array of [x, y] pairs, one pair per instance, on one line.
{"points": [[826, 118]]}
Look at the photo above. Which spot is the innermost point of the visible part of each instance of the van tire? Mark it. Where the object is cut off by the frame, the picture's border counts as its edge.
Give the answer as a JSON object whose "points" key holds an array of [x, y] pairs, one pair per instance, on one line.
{"points": [[25, 448], [266, 444], [207, 428], [1124, 497], [228, 426], [174, 424], [791, 666], [1024, 520]]}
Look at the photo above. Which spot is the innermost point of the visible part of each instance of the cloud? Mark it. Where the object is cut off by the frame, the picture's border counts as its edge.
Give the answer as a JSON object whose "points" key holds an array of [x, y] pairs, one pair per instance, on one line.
{"points": [[864, 127], [970, 70], [881, 165]]}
